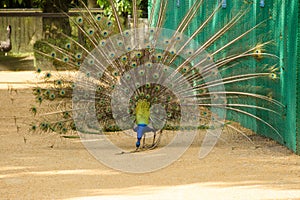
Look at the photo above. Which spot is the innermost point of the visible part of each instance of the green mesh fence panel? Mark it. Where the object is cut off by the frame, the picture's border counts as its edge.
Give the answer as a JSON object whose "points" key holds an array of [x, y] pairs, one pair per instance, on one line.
{"points": [[280, 29], [297, 61]]}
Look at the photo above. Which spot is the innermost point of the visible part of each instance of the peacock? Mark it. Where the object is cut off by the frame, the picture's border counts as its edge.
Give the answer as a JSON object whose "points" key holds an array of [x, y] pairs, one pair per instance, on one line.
{"points": [[203, 71], [5, 46]]}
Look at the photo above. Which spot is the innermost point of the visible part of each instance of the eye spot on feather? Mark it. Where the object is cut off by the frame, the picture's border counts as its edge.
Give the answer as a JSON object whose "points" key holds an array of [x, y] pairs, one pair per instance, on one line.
{"points": [[103, 42], [190, 52], [172, 51], [157, 88], [124, 58], [137, 85], [53, 54], [142, 72], [159, 56], [33, 127], [104, 33], [127, 77], [86, 95], [39, 99], [52, 96], [62, 93], [155, 76], [48, 75], [169, 98], [133, 64], [112, 55], [59, 124], [43, 125], [258, 54], [47, 92], [165, 69], [58, 82], [38, 90], [273, 76], [78, 55], [90, 31], [99, 88], [68, 46], [209, 57], [91, 61], [185, 69], [120, 43], [98, 17], [138, 54], [148, 64], [75, 98], [64, 130], [66, 59], [109, 23], [99, 75], [116, 73], [79, 20]]}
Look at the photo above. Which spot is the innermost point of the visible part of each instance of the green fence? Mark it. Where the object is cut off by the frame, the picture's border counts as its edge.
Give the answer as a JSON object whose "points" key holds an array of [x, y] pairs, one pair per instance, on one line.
{"points": [[279, 28]]}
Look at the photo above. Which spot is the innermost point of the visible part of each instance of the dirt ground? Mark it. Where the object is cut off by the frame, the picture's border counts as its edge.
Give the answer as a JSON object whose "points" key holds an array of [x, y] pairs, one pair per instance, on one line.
{"points": [[46, 166], [16, 63]]}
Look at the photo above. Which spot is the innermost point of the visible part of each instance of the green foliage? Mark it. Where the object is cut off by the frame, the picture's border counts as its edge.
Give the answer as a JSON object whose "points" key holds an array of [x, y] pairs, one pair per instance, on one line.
{"points": [[22, 3], [123, 7], [36, 3]]}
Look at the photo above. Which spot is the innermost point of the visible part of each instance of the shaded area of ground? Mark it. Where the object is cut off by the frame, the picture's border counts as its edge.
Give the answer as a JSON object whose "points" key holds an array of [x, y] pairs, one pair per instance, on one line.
{"points": [[46, 166], [16, 63]]}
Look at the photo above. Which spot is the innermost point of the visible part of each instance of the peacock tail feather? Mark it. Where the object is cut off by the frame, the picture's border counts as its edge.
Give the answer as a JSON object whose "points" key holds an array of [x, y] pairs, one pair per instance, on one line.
{"points": [[198, 72]]}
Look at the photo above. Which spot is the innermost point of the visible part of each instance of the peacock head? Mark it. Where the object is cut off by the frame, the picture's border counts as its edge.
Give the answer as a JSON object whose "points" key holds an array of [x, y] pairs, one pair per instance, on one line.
{"points": [[8, 31]]}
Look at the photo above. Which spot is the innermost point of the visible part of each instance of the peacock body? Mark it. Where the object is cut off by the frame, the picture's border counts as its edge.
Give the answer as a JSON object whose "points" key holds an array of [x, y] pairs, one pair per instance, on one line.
{"points": [[182, 75]]}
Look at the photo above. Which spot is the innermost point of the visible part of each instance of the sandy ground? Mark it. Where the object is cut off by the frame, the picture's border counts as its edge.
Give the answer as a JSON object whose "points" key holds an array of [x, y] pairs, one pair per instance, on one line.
{"points": [[46, 166]]}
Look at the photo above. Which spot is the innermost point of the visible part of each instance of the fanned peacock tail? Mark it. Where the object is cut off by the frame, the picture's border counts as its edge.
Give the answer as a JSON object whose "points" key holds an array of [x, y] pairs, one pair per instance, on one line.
{"points": [[211, 64]]}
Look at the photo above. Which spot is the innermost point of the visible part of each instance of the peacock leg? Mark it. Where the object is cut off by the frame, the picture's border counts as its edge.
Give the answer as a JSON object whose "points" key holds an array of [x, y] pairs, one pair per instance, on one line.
{"points": [[144, 139], [154, 136]]}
